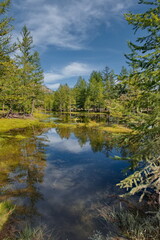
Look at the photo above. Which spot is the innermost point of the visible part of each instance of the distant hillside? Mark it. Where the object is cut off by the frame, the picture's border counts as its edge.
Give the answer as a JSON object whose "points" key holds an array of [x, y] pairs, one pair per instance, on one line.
{"points": [[46, 89]]}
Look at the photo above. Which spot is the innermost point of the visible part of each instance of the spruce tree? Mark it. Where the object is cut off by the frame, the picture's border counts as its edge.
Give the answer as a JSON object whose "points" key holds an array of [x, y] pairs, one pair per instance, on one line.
{"points": [[95, 91], [8, 70], [145, 86], [81, 93], [5, 31], [31, 71]]}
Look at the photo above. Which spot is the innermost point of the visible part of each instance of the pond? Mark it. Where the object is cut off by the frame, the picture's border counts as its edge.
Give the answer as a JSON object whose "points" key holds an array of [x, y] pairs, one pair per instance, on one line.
{"points": [[57, 177]]}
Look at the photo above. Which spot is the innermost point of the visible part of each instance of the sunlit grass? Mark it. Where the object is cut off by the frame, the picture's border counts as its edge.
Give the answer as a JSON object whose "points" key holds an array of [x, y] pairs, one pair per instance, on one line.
{"points": [[40, 116], [12, 123], [115, 128], [15, 123]]}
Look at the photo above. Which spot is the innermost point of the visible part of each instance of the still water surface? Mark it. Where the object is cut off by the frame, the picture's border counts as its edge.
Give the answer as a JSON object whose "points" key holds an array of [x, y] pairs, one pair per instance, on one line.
{"points": [[58, 177]]}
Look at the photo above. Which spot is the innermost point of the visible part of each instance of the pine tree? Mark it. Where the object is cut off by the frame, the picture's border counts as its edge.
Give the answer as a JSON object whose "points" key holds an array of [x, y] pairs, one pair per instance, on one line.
{"points": [[80, 93], [5, 31], [31, 72], [8, 78], [145, 86], [63, 98], [109, 83], [37, 81], [96, 91], [146, 53]]}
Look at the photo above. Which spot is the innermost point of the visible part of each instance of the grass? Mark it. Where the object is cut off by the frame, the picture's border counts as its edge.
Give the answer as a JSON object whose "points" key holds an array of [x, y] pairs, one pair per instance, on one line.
{"points": [[29, 233], [132, 225], [9, 124], [97, 236], [37, 120], [38, 233], [116, 128], [6, 209], [15, 123]]}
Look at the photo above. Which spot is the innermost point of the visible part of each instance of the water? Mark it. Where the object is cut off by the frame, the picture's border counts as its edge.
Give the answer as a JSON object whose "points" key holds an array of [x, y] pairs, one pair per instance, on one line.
{"points": [[58, 177]]}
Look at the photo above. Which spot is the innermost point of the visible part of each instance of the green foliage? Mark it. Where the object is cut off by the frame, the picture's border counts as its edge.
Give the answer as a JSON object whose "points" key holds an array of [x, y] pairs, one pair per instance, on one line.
{"points": [[132, 224], [21, 77], [31, 74], [81, 90], [147, 178], [63, 98], [109, 82], [149, 44], [39, 233], [96, 91], [6, 209], [5, 31], [144, 96]]}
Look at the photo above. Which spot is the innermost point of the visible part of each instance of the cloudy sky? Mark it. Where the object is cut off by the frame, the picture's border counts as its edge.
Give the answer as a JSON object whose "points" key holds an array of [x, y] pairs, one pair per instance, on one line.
{"points": [[75, 37]]}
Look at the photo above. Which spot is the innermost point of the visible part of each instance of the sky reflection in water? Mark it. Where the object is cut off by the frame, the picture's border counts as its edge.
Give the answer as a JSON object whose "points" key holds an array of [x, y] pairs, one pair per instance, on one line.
{"points": [[75, 178], [59, 178]]}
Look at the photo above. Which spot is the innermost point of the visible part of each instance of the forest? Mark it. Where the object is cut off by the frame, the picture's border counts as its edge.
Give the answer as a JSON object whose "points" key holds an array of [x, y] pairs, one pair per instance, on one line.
{"points": [[133, 95]]}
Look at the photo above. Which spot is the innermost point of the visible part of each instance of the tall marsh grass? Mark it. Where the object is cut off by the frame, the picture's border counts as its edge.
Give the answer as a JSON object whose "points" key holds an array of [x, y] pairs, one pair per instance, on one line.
{"points": [[131, 225]]}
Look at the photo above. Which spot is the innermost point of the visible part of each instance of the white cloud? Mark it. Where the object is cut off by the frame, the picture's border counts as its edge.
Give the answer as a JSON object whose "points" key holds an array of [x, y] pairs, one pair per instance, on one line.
{"points": [[71, 145], [74, 69], [54, 86], [67, 24], [51, 77]]}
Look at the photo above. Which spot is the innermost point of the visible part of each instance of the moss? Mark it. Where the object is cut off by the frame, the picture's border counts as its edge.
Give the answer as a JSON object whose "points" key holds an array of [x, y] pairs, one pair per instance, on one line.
{"points": [[40, 116], [10, 124], [116, 129], [6, 209]]}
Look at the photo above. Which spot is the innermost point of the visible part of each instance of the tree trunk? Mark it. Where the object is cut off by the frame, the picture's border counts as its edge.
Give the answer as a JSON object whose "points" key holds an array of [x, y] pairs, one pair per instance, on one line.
{"points": [[33, 105]]}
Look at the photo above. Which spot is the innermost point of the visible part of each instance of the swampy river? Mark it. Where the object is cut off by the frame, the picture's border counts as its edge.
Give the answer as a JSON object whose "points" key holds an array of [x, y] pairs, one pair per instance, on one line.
{"points": [[59, 176]]}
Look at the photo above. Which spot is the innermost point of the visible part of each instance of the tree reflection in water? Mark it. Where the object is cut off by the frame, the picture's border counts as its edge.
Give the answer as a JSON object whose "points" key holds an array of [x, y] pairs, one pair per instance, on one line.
{"points": [[23, 161], [55, 175]]}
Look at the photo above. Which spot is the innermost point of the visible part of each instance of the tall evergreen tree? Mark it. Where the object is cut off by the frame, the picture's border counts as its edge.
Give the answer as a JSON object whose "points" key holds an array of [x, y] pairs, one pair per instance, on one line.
{"points": [[63, 98], [31, 72], [8, 71], [5, 31], [81, 93], [146, 53], [121, 86], [109, 83], [96, 97], [145, 85]]}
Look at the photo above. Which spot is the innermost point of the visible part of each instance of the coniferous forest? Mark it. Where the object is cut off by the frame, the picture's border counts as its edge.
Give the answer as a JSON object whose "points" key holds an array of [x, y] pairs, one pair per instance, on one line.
{"points": [[133, 95]]}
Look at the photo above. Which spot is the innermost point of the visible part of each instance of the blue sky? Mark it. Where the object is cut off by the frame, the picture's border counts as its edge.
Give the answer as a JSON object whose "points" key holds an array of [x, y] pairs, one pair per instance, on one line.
{"points": [[75, 37]]}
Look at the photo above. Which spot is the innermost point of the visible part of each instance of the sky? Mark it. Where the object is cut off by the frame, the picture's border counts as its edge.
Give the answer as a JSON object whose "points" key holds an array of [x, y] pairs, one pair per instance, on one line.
{"points": [[75, 37]]}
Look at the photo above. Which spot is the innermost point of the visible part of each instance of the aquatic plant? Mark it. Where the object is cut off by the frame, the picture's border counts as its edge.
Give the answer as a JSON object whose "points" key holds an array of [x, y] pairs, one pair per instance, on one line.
{"points": [[29, 233], [133, 224]]}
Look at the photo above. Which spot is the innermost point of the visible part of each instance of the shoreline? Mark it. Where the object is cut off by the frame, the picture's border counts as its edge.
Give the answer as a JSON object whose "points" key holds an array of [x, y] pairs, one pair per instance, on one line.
{"points": [[37, 120]]}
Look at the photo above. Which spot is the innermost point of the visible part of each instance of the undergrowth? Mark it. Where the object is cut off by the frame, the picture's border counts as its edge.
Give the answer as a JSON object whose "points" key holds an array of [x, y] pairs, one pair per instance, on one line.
{"points": [[132, 225]]}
